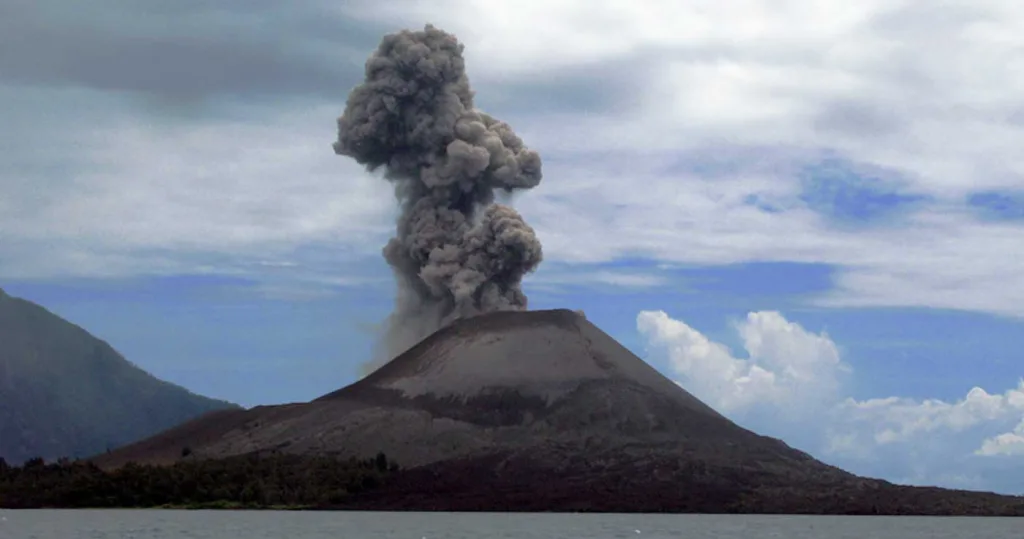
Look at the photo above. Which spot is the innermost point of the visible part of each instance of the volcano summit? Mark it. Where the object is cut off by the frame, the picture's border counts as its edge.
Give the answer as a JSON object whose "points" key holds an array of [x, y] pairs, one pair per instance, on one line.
{"points": [[541, 410]]}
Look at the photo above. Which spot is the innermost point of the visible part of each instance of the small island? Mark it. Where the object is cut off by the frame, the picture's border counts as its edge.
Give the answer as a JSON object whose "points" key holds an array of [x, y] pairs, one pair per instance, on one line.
{"points": [[536, 411]]}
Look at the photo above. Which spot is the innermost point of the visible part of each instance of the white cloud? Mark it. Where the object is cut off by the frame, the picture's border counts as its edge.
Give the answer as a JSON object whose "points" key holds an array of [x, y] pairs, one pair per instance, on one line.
{"points": [[1008, 443], [214, 196], [218, 187], [938, 258], [557, 278], [791, 384], [787, 366], [900, 420]]}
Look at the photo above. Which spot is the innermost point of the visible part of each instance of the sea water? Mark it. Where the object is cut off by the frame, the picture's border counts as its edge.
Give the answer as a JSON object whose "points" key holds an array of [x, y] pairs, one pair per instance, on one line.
{"points": [[159, 524]]}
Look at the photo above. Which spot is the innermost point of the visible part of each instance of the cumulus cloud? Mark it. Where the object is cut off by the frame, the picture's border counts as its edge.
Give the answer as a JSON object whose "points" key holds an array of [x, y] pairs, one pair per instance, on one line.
{"points": [[1008, 443], [895, 419], [793, 383], [786, 366]]}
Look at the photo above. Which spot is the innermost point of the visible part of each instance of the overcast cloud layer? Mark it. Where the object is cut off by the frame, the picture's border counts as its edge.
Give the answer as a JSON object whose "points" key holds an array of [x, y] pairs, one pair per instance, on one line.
{"points": [[150, 138]]}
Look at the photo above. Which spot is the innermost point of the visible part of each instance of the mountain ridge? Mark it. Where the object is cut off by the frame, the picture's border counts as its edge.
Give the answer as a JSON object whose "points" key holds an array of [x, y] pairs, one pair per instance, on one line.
{"points": [[67, 393]]}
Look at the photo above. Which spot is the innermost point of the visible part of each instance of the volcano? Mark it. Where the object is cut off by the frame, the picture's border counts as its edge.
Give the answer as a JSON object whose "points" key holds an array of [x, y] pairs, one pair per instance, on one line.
{"points": [[541, 410]]}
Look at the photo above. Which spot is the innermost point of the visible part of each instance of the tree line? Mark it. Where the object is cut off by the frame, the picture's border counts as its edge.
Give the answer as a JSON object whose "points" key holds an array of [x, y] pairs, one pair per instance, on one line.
{"points": [[247, 481]]}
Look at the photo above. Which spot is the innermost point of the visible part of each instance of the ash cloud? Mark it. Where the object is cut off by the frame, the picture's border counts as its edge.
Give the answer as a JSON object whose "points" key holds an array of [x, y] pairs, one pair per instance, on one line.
{"points": [[455, 252]]}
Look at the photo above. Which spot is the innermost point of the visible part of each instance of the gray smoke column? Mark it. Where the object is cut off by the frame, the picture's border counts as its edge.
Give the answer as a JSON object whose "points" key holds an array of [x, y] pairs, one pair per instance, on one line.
{"points": [[456, 253]]}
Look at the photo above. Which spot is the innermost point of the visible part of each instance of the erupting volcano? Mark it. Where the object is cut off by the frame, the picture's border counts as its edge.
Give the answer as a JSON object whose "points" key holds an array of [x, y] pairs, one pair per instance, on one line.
{"points": [[487, 406], [456, 253]]}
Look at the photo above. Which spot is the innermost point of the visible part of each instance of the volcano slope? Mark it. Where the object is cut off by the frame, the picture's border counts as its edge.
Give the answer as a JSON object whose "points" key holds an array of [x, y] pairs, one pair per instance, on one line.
{"points": [[542, 411]]}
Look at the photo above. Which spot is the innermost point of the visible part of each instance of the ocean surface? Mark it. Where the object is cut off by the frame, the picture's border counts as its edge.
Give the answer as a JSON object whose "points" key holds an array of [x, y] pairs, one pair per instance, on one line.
{"points": [[146, 524]]}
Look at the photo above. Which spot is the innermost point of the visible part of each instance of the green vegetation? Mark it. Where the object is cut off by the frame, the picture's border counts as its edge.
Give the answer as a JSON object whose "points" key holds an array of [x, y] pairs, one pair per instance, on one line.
{"points": [[277, 481], [65, 392]]}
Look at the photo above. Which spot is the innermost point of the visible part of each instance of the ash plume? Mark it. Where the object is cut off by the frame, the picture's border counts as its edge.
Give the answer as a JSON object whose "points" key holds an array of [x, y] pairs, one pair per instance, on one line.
{"points": [[455, 252]]}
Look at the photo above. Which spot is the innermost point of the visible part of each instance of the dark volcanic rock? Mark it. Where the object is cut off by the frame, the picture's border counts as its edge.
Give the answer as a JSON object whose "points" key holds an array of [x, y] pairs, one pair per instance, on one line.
{"points": [[542, 410]]}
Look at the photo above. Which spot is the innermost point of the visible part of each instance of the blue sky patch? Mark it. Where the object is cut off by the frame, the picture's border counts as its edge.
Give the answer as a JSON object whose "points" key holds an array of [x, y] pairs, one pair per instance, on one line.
{"points": [[761, 203], [998, 205], [850, 194]]}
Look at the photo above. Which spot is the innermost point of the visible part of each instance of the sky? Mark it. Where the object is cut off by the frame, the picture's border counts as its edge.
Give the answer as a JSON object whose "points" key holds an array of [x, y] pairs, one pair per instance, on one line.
{"points": [[808, 213]]}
